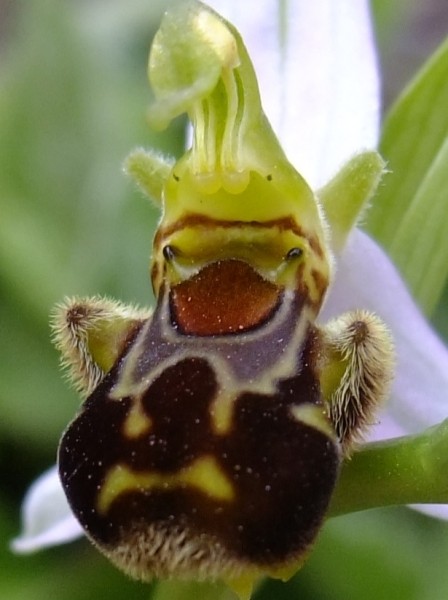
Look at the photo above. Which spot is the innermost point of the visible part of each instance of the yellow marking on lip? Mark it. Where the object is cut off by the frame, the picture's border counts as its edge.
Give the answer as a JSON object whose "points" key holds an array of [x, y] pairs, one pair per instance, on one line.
{"points": [[314, 416], [137, 422], [204, 474], [221, 412]]}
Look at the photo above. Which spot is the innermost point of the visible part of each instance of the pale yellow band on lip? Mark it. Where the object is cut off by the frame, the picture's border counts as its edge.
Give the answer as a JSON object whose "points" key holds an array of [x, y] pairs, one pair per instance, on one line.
{"points": [[203, 474], [137, 422], [314, 416]]}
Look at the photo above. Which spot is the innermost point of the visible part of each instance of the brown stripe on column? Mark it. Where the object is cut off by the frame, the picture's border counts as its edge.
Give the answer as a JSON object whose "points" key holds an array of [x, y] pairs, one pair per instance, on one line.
{"points": [[196, 220]]}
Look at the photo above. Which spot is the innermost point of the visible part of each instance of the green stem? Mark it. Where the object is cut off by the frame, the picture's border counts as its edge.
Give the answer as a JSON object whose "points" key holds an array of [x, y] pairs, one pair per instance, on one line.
{"points": [[407, 470], [191, 590]]}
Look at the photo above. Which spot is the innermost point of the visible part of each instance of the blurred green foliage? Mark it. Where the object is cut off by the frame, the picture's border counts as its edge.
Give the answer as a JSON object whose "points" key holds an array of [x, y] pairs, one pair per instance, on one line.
{"points": [[414, 142], [72, 105]]}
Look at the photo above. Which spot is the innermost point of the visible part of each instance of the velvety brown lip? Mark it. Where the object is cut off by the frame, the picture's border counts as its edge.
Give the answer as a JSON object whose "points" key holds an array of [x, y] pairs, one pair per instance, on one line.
{"points": [[226, 296]]}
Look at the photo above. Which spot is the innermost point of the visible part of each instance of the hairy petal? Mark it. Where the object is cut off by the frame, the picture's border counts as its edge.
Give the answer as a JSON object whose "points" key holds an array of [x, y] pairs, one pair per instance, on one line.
{"points": [[366, 278], [46, 516], [317, 70], [420, 390]]}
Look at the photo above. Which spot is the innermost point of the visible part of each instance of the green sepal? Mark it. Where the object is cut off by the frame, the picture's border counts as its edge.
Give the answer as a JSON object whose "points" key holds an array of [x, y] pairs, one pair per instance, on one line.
{"points": [[345, 197], [409, 216]]}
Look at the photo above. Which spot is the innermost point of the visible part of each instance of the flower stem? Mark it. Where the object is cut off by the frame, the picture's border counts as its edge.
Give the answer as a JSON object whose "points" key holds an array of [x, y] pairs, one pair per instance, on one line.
{"points": [[406, 470]]}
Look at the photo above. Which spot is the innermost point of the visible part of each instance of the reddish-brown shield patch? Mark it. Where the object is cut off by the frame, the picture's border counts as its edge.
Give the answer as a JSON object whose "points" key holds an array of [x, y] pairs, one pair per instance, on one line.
{"points": [[227, 296]]}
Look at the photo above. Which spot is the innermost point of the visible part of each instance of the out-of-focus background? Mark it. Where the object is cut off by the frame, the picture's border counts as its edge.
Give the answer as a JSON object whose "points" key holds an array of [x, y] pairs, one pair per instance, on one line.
{"points": [[73, 94]]}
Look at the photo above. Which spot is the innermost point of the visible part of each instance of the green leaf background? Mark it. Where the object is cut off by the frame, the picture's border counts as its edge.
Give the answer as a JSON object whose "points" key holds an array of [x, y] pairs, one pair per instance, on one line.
{"points": [[73, 95], [410, 212]]}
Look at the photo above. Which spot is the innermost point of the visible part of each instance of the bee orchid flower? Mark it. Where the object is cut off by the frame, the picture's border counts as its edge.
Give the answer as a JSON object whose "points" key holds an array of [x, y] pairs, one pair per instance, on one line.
{"points": [[318, 78]]}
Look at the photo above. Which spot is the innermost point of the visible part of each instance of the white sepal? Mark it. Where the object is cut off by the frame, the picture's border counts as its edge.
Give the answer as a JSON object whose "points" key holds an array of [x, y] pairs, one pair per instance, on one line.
{"points": [[46, 516]]}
